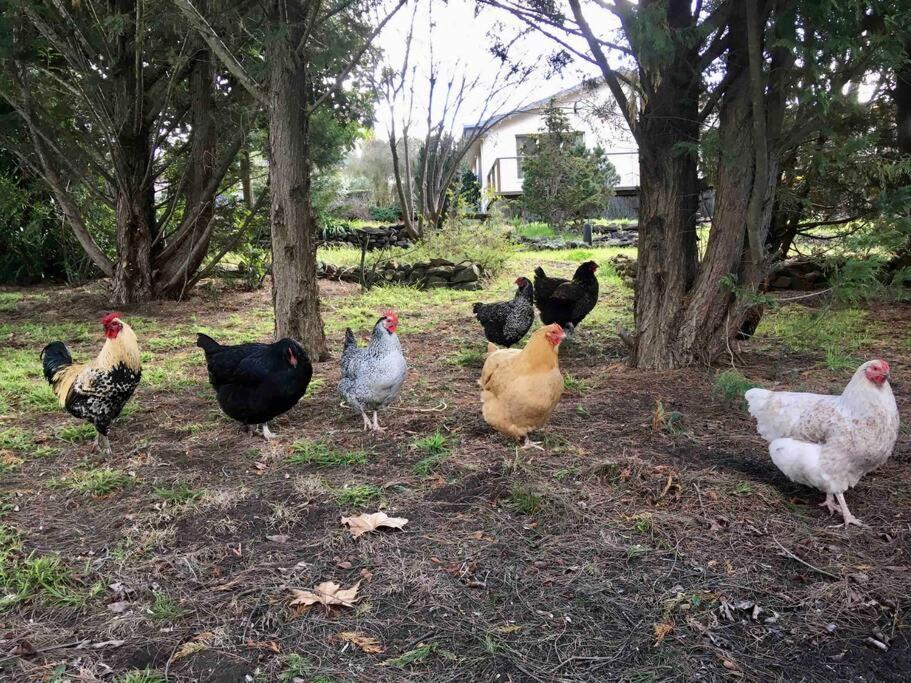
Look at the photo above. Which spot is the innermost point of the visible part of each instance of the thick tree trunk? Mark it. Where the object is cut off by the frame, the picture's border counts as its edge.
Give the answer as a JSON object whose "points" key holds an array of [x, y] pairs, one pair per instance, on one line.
{"points": [[294, 285], [187, 256], [668, 203], [133, 280]]}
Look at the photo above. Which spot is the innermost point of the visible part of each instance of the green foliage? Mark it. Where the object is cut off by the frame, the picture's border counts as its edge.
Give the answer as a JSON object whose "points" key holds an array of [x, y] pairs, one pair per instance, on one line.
{"points": [[483, 243], [324, 455], [415, 656], [836, 333], [358, 495], [435, 447], [386, 214], [76, 433], [563, 181], [296, 666], [165, 608], [534, 229], [730, 386], [32, 577], [146, 675], [525, 500], [179, 493], [95, 482]]}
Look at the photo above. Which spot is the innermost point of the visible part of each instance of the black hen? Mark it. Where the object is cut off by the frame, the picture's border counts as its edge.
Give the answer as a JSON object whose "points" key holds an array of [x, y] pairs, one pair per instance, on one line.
{"points": [[567, 302], [506, 322], [257, 382]]}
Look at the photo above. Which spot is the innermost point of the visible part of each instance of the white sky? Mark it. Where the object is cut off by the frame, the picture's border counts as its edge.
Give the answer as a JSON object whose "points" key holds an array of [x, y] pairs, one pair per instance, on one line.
{"points": [[460, 43]]}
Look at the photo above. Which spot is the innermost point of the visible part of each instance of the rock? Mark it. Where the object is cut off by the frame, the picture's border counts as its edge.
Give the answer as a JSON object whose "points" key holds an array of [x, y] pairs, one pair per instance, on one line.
{"points": [[440, 262], [468, 286], [468, 274], [781, 282], [434, 281], [445, 272]]}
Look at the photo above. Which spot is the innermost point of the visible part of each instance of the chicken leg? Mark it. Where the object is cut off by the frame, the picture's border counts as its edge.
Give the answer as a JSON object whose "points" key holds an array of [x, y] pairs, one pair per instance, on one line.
{"points": [[829, 504], [367, 425], [846, 513], [267, 433], [376, 424], [532, 444], [102, 444]]}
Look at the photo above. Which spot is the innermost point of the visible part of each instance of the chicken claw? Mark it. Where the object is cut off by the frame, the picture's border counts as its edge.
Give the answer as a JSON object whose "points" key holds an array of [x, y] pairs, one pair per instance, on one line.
{"points": [[532, 444], [268, 434], [846, 513], [829, 504], [367, 425], [376, 424], [102, 444]]}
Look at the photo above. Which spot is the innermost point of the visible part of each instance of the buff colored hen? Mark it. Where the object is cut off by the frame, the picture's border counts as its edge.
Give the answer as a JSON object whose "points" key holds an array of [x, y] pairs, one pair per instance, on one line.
{"points": [[521, 387]]}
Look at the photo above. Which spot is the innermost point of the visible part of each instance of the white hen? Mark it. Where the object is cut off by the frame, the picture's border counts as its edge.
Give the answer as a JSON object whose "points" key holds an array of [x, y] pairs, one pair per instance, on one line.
{"points": [[830, 442]]}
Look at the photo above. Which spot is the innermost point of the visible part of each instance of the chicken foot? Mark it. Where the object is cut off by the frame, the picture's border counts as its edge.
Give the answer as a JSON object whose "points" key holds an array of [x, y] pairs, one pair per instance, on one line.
{"points": [[846, 513], [532, 444], [102, 444], [829, 504], [376, 424]]}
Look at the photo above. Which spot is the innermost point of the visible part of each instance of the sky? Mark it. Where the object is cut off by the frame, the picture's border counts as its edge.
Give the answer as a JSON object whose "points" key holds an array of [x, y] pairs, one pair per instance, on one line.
{"points": [[460, 43]]}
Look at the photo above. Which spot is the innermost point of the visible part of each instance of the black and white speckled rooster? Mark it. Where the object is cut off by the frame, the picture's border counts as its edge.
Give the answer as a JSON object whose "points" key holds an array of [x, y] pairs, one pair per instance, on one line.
{"points": [[506, 322], [372, 377], [97, 391]]}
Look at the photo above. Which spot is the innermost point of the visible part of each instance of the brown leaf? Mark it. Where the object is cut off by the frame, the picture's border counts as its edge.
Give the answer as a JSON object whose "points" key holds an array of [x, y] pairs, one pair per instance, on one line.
{"points": [[23, 648], [368, 522], [368, 644], [119, 607], [271, 646], [662, 630], [344, 565], [327, 593], [509, 628], [189, 648], [279, 538]]}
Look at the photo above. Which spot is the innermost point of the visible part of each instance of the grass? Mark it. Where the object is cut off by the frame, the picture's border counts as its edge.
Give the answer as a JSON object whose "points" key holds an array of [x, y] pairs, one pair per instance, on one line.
{"points": [[525, 500], [837, 334], [16, 439], [436, 450], [76, 433], [415, 656], [730, 386], [178, 494], [296, 666], [535, 229], [165, 608], [95, 482], [467, 358], [323, 455], [22, 384], [8, 301], [574, 384], [35, 577], [146, 675], [358, 495]]}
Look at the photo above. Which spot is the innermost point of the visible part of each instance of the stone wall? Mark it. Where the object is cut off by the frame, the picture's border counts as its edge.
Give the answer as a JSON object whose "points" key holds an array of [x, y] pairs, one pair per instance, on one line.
{"points": [[619, 238], [377, 238], [432, 274]]}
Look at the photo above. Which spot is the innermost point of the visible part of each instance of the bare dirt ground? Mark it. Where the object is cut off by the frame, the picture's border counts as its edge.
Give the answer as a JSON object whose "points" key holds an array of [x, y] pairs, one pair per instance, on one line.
{"points": [[628, 551]]}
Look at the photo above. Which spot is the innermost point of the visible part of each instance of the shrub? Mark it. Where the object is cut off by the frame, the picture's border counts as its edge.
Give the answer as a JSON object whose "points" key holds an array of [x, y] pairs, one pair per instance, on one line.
{"points": [[482, 243], [386, 214]]}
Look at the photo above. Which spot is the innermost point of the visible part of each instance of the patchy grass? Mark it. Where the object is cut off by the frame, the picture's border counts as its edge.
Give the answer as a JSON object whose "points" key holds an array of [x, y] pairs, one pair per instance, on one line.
{"points": [[436, 449], [467, 358], [574, 384], [837, 334], [8, 301], [535, 229], [146, 675], [730, 386], [95, 482], [33, 577], [358, 495], [323, 455], [16, 439], [76, 433], [525, 500], [179, 494], [165, 608]]}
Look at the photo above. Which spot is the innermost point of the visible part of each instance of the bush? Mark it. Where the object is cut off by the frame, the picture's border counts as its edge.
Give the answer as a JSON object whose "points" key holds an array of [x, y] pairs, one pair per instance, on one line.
{"points": [[482, 243], [386, 214]]}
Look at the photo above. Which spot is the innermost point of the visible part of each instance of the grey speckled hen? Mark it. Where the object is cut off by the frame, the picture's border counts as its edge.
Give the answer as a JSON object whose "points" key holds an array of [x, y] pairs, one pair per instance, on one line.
{"points": [[372, 377]]}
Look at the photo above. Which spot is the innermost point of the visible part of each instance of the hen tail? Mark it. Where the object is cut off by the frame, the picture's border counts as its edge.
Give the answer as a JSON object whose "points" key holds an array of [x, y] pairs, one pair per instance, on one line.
{"points": [[59, 370], [477, 308], [206, 343], [798, 460], [770, 422], [350, 341]]}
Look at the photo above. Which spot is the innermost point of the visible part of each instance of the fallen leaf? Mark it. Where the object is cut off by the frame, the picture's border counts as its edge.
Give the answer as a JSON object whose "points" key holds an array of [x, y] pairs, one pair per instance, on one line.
{"points": [[271, 646], [662, 630], [23, 648], [509, 628], [279, 538], [368, 644], [368, 522], [367, 574], [344, 565], [108, 643], [190, 647], [119, 607], [327, 593]]}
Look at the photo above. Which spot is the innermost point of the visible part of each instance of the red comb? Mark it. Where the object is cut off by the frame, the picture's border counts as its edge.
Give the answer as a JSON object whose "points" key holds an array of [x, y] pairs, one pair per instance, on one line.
{"points": [[391, 315], [109, 318]]}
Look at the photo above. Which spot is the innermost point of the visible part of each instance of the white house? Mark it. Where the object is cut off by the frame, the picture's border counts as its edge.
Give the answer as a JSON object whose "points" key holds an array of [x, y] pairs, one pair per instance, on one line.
{"points": [[496, 156]]}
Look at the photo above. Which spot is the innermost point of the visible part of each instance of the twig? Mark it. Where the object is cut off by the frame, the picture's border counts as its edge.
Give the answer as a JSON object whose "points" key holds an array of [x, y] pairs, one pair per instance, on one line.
{"points": [[62, 646], [804, 562], [439, 409]]}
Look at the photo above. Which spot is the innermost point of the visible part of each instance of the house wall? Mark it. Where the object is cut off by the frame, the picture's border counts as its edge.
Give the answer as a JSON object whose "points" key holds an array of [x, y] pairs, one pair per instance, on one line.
{"points": [[587, 114]]}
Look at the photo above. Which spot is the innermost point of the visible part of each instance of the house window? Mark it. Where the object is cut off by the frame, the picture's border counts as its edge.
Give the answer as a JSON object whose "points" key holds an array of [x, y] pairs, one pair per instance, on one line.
{"points": [[525, 145]]}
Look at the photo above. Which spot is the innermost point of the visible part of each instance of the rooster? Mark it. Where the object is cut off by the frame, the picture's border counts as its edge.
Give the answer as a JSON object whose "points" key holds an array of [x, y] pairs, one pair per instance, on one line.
{"points": [[521, 388], [96, 392], [372, 377], [567, 302], [506, 322], [830, 442], [255, 383]]}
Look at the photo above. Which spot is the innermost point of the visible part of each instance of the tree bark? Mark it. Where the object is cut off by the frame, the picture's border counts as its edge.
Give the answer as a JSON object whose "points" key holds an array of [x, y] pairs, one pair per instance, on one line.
{"points": [[668, 203], [295, 292]]}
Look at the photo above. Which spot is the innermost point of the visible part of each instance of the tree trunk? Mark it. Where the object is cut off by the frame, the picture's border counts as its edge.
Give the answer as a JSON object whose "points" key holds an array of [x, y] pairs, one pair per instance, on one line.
{"points": [[135, 215], [294, 285], [187, 256], [668, 202]]}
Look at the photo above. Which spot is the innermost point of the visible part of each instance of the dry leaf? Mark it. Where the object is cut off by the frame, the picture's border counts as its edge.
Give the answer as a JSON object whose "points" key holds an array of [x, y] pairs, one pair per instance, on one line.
{"points": [[368, 522], [368, 644], [119, 607], [279, 538], [189, 648], [271, 646], [661, 631], [509, 628], [327, 593]]}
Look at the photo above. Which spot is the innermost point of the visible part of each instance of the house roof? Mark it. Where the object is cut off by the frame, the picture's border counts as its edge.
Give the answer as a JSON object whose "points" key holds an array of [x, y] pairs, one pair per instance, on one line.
{"points": [[589, 84]]}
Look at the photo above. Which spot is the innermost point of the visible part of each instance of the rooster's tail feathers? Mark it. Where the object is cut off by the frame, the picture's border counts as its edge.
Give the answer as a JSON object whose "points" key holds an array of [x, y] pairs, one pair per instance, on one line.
{"points": [[206, 343], [349, 338], [54, 357], [477, 308], [539, 273]]}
